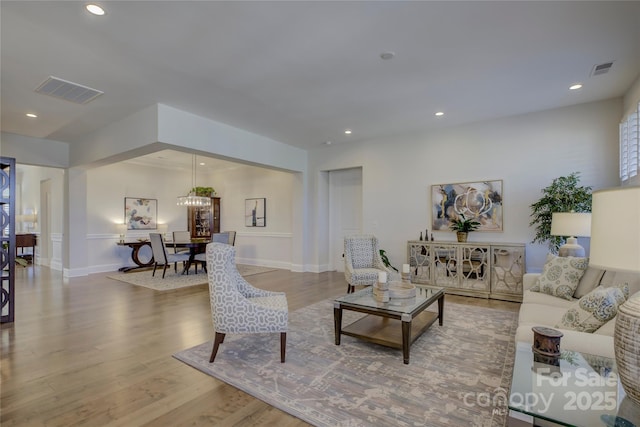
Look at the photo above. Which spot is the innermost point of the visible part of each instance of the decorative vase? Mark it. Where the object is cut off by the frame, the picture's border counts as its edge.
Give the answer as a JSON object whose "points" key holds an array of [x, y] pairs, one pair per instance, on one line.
{"points": [[462, 236], [627, 347]]}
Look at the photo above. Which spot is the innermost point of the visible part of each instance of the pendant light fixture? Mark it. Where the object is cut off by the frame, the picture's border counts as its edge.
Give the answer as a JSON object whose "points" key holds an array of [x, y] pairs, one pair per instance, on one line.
{"points": [[192, 199]]}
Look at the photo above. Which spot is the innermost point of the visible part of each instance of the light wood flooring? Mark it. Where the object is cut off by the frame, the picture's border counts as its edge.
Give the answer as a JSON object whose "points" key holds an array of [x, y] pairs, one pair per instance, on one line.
{"points": [[93, 351]]}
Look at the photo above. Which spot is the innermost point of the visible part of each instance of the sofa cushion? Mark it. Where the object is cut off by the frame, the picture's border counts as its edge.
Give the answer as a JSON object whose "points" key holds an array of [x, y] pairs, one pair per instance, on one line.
{"points": [[590, 279], [541, 314], [613, 278], [594, 309], [600, 345], [560, 276], [529, 297], [608, 328]]}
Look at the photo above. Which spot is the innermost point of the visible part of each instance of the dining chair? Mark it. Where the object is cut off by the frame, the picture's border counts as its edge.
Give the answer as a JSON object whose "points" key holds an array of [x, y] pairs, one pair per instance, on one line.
{"points": [[215, 237], [160, 255], [232, 237], [239, 308], [181, 237], [362, 261]]}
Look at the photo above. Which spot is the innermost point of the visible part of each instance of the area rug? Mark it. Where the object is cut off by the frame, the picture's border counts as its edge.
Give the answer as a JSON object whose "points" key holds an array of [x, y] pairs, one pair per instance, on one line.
{"points": [[459, 373], [174, 280]]}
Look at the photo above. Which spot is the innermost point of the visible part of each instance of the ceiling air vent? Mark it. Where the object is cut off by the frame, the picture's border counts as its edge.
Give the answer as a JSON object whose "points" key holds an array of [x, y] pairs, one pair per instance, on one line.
{"points": [[602, 68], [68, 91]]}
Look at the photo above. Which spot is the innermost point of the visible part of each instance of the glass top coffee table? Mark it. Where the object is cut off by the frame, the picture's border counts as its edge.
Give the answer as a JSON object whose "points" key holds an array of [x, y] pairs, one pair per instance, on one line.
{"points": [[580, 390], [396, 324]]}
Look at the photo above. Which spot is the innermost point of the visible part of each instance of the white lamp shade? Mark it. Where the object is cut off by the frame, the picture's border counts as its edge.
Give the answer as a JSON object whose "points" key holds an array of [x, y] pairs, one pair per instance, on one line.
{"points": [[615, 229], [27, 218], [574, 224], [121, 228]]}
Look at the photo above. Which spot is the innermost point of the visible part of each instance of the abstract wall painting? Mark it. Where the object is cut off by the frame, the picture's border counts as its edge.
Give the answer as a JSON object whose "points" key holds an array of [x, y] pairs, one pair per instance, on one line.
{"points": [[255, 212], [481, 201], [140, 214]]}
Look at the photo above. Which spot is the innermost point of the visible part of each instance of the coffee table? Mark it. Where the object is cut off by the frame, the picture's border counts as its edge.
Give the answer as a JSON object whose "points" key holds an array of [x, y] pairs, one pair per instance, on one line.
{"points": [[396, 324], [580, 390]]}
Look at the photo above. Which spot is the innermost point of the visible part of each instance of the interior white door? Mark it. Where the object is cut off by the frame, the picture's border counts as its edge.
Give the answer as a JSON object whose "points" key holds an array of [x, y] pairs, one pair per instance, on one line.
{"points": [[345, 211], [44, 240]]}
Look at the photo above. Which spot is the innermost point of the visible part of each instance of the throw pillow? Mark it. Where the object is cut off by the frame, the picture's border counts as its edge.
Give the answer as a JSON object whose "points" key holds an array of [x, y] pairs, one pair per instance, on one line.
{"points": [[594, 309], [560, 276], [588, 282]]}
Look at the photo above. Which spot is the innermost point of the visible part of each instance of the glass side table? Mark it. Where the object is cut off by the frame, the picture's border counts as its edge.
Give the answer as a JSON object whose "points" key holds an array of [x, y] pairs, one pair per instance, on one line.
{"points": [[579, 390]]}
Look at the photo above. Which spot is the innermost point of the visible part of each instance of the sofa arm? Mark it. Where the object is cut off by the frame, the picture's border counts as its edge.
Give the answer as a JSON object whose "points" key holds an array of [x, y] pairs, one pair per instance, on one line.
{"points": [[528, 280]]}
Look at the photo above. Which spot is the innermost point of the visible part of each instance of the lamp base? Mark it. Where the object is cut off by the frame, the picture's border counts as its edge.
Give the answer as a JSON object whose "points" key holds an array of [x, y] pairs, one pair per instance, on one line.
{"points": [[571, 248]]}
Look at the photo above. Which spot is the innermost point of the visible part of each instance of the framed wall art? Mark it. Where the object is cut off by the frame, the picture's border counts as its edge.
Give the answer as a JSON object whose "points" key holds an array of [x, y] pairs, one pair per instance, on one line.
{"points": [[255, 212], [140, 214], [481, 201]]}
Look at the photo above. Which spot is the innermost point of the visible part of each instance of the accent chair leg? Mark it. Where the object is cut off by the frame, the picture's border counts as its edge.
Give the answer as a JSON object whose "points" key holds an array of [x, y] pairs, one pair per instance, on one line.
{"points": [[164, 270], [283, 346], [219, 339], [155, 265], [350, 288]]}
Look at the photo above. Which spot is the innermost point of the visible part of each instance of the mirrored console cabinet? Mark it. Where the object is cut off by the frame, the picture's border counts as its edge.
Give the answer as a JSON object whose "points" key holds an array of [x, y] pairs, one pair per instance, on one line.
{"points": [[487, 270]]}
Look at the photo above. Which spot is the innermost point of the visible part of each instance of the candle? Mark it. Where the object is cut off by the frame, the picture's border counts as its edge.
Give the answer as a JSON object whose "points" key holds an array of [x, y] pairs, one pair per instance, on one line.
{"points": [[382, 276], [405, 268]]}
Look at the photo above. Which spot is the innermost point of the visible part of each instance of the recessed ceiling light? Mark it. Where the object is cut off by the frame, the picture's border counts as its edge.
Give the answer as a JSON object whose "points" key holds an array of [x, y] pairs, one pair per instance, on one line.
{"points": [[575, 86], [387, 55], [439, 113], [202, 163], [95, 9], [31, 115], [328, 143], [348, 131]]}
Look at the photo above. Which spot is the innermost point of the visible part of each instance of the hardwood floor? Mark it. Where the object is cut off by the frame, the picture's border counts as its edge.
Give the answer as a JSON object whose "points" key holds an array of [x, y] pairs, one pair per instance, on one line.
{"points": [[93, 351]]}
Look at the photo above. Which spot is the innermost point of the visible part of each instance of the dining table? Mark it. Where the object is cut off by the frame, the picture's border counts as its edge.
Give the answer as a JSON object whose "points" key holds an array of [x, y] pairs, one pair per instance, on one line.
{"points": [[195, 246]]}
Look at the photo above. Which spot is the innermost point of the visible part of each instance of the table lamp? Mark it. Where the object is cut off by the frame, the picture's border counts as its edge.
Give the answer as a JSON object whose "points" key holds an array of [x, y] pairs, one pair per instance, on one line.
{"points": [[615, 245], [571, 225], [122, 230]]}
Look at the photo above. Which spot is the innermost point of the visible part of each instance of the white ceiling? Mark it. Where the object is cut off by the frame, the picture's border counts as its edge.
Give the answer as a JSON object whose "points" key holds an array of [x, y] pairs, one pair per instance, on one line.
{"points": [[301, 72]]}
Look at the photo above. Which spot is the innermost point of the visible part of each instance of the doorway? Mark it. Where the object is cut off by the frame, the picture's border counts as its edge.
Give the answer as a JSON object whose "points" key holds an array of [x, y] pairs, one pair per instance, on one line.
{"points": [[345, 211], [44, 243]]}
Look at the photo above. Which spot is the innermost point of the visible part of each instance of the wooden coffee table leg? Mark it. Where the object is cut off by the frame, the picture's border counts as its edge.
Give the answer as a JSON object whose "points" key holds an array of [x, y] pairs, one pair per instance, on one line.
{"points": [[337, 321], [406, 338], [441, 309]]}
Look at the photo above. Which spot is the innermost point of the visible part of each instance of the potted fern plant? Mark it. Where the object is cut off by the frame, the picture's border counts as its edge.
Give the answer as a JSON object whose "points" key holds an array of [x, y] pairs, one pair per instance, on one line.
{"points": [[563, 195], [462, 226]]}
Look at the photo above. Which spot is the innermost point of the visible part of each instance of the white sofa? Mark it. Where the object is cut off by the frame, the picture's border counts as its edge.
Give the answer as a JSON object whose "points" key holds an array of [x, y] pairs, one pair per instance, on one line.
{"points": [[539, 309]]}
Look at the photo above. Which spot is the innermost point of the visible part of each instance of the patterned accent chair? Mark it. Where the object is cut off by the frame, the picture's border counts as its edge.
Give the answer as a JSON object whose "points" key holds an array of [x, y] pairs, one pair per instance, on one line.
{"points": [[239, 308], [362, 262]]}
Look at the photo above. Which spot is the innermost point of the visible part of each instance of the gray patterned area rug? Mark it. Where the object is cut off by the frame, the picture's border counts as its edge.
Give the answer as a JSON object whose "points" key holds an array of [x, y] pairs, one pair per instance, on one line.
{"points": [[459, 373], [174, 280]]}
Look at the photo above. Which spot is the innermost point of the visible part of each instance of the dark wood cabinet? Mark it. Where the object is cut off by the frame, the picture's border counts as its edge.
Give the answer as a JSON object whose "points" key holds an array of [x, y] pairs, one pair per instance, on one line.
{"points": [[203, 221], [26, 240]]}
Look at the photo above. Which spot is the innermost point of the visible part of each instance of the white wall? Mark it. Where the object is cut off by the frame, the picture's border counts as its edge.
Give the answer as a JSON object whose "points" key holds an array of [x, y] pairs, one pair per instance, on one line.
{"points": [[525, 151], [631, 99], [270, 245], [34, 151], [28, 179], [107, 186]]}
